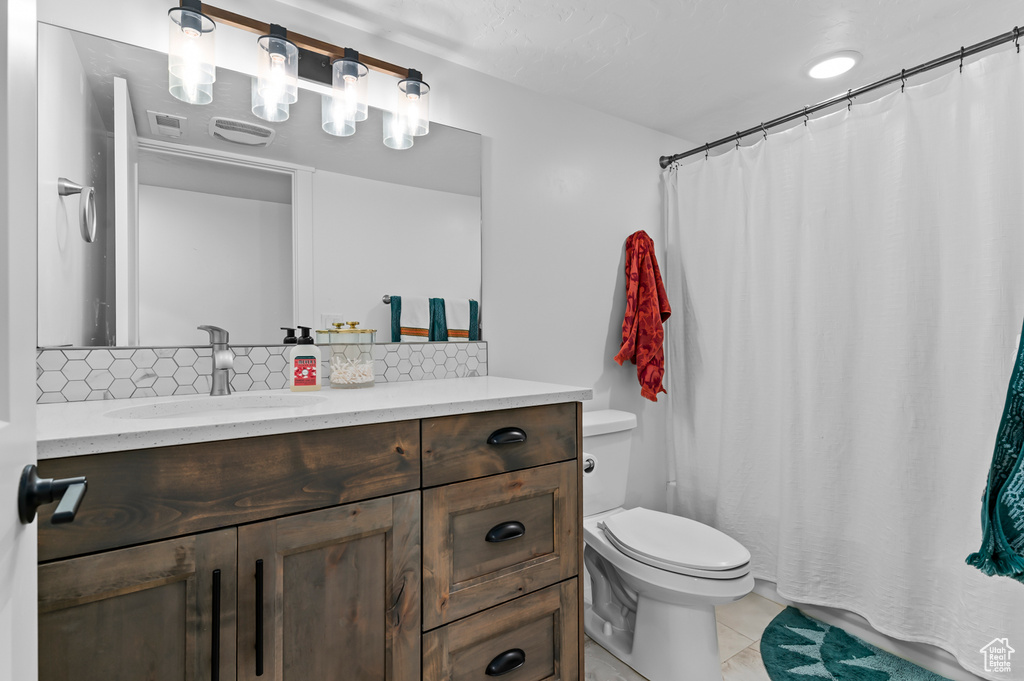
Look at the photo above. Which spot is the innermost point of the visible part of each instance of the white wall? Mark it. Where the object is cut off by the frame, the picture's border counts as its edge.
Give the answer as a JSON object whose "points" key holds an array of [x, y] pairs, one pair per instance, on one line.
{"points": [[209, 259], [73, 143], [372, 238], [563, 186]]}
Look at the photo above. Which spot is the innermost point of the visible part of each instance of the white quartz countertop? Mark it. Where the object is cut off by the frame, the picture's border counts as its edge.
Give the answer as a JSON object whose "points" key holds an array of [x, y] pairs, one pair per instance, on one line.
{"points": [[78, 428]]}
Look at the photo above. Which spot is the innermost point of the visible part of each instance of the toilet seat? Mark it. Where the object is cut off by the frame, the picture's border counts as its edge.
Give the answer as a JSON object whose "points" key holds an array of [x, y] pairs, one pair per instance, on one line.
{"points": [[676, 544]]}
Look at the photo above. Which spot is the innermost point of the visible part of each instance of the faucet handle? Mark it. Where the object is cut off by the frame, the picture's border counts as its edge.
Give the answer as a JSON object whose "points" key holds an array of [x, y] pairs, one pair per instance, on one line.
{"points": [[217, 334]]}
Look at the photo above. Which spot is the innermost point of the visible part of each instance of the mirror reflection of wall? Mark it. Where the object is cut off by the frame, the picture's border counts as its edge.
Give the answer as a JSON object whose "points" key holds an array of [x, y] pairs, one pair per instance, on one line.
{"points": [[195, 229], [215, 243], [75, 292]]}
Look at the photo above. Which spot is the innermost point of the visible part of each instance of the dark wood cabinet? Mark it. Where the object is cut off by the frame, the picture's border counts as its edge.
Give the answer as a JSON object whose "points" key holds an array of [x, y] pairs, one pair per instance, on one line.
{"points": [[340, 594], [539, 632], [327, 554], [164, 611], [465, 570]]}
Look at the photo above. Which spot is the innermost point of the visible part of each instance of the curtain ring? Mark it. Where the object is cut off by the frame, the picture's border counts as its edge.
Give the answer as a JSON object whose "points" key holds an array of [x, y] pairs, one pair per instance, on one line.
{"points": [[806, 116], [849, 99], [961, 59], [764, 131], [738, 138], [1016, 38], [903, 77], [707, 150]]}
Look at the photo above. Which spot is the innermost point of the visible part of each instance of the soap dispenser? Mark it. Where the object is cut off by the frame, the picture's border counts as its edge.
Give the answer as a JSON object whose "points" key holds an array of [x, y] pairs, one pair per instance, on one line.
{"points": [[305, 363], [289, 338]]}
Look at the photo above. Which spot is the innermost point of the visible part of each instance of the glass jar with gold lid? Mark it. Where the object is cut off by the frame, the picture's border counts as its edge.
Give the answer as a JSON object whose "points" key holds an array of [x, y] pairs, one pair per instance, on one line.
{"points": [[351, 354]]}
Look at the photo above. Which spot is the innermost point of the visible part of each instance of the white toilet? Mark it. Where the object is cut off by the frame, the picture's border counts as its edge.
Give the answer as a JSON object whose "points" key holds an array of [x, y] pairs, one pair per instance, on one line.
{"points": [[655, 578]]}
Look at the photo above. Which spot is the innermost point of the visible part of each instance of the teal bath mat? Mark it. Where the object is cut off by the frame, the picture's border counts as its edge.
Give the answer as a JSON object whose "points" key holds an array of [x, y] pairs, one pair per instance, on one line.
{"points": [[795, 647]]}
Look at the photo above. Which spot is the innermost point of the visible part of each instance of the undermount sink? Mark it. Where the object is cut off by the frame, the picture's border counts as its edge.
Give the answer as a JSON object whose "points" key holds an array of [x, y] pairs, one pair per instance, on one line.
{"points": [[217, 405]]}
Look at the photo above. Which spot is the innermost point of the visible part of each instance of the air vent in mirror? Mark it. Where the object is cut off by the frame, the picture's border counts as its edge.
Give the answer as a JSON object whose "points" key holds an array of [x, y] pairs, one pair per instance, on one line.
{"points": [[241, 132], [166, 125]]}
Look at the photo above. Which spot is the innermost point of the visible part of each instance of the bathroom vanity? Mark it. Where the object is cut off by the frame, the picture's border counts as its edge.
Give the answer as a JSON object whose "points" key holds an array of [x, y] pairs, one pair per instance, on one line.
{"points": [[415, 531]]}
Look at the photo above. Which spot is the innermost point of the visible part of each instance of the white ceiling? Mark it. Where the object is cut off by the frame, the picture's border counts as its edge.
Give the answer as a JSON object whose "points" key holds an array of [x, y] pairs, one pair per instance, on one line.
{"points": [[697, 69]]}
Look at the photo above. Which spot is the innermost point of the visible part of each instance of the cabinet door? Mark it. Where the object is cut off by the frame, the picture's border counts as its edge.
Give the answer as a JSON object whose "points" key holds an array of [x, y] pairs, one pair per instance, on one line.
{"points": [[162, 612], [332, 594]]}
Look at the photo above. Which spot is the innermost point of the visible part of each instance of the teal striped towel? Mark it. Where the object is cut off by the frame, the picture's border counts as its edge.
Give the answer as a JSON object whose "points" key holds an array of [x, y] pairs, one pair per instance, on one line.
{"points": [[1002, 513]]}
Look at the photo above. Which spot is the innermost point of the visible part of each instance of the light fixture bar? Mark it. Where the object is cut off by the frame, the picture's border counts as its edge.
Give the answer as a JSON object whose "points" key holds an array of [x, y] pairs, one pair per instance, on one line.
{"points": [[305, 42]]}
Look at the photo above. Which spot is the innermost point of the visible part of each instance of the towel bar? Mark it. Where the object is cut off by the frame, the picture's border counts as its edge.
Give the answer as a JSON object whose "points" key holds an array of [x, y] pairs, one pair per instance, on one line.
{"points": [[86, 207]]}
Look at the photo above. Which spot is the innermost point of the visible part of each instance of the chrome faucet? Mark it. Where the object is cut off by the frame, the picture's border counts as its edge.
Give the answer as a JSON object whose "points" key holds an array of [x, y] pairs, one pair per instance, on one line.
{"points": [[223, 360]]}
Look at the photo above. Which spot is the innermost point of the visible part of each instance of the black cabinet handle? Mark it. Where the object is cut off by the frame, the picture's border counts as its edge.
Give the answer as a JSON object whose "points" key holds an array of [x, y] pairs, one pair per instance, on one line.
{"points": [[215, 647], [513, 529], [506, 662], [34, 492], [507, 436], [259, 617]]}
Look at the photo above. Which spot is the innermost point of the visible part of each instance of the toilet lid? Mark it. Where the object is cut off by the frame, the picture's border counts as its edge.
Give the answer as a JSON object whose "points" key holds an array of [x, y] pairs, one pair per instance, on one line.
{"points": [[676, 544]]}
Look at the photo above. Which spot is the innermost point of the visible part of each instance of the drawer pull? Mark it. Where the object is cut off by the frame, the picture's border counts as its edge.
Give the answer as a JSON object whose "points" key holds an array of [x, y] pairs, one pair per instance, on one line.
{"points": [[215, 644], [259, 617], [507, 436], [512, 529], [506, 662]]}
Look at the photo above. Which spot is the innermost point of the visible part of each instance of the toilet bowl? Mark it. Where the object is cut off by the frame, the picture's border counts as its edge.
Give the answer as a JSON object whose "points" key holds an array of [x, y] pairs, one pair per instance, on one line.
{"points": [[655, 578]]}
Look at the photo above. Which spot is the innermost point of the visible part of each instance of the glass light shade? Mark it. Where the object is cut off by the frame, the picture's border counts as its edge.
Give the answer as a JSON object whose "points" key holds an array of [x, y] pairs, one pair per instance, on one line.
{"points": [[190, 55], [396, 133], [414, 104], [348, 103], [198, 93], [274, 111], [277, 78]]}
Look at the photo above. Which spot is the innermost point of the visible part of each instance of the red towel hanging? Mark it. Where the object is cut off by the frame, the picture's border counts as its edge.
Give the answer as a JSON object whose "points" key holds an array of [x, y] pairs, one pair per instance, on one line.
{"points": [[647, 307]]}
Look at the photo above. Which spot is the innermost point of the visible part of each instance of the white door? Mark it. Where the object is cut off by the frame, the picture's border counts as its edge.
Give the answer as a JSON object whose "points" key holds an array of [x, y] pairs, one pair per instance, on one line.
{"points": [[126, 217], [17, 333]]}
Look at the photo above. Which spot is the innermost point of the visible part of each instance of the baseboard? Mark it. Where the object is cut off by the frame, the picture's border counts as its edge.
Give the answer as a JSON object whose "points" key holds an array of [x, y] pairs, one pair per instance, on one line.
{"points": [[927, 656]]}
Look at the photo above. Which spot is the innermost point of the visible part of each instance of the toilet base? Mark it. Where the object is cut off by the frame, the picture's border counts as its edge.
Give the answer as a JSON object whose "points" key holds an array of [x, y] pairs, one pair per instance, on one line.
{"points": [[671, 642]]}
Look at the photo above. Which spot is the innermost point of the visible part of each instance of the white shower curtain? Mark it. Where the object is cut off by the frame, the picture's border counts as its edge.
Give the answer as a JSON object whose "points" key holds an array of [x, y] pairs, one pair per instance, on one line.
{"points": [[847, 297]]}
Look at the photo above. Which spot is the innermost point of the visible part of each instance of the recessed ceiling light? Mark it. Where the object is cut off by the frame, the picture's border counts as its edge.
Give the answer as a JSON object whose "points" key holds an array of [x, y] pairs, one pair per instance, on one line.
{"points": [[834, 64]]}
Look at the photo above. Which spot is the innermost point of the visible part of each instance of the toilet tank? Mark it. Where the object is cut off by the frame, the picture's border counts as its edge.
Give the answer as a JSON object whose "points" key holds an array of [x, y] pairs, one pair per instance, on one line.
{"points": [[607, 439]]}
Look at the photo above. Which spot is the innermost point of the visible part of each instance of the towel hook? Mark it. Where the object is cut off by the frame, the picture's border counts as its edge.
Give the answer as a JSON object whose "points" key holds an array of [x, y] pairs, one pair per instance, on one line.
{"points": [[387, 299], [87, 206]]}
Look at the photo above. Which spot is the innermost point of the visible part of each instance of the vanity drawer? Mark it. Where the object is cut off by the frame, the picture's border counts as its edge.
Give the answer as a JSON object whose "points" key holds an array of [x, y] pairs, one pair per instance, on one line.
{"points": [[457, 448], [541, 630], [490, 540], [149, 494]]}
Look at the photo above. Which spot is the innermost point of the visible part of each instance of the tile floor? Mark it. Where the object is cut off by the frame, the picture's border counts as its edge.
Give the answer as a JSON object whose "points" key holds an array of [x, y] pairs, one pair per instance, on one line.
{"points": [[739, 645]]}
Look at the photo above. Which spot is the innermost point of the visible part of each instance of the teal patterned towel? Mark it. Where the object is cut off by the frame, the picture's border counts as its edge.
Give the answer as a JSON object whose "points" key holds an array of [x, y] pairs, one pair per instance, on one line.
{"points": [[1002, 513]]}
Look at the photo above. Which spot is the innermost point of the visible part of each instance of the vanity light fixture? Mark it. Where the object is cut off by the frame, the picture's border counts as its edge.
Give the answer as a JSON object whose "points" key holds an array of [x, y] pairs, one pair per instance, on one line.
{"points": [[414, 103], [190, 49], [276, 85], [347, 104], [283, 58], [411, 115]]}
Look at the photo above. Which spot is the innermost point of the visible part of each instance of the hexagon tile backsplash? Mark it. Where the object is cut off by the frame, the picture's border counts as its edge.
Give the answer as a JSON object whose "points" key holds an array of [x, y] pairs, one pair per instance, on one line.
{"points": [[78, 374]]}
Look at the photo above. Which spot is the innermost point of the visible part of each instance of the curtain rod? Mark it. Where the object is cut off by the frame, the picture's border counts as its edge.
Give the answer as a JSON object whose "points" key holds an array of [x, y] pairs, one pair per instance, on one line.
{"points": [[849, 96]]}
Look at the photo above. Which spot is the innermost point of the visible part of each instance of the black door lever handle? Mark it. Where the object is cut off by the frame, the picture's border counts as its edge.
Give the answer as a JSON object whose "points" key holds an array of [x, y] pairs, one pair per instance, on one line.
{"points": [[34, 492]]}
